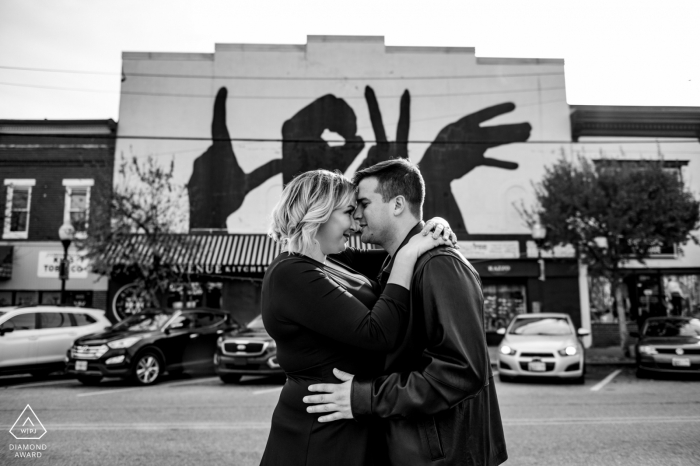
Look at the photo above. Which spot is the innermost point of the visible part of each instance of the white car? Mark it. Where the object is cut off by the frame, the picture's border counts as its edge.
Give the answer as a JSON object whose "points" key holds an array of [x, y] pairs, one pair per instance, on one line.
{"points": [[35, 339], [542, 345]]}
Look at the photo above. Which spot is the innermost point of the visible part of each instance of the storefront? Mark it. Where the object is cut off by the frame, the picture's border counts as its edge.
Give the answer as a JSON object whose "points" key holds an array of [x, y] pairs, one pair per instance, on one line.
{"points": [[29, 275]]}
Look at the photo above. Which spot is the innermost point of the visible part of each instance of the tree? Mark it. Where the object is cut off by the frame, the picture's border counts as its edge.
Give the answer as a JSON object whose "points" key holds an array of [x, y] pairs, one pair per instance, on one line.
{"points": [[635, 206], [146, 201]]}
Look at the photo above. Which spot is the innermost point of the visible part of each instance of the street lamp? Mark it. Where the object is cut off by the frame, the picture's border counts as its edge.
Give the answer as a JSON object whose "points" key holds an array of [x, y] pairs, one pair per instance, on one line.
{"points": [[66, 233], [539, 233]]}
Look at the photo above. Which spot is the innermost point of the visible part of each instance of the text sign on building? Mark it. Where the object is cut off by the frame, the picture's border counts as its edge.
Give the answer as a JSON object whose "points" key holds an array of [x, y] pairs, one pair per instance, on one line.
{"points": [[50, 264], [489, 249]]}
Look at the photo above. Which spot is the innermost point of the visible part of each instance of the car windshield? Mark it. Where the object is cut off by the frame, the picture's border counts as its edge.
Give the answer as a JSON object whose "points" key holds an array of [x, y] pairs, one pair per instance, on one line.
{"points": [[256, 323], [540, 326], [672, 328], [143, 321]]}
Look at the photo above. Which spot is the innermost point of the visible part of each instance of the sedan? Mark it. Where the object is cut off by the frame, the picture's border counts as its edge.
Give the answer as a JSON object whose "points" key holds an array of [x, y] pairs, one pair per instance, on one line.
{"points": [[34, 339], [668, 345], [248, 351], [542, 345], [145, 345]]}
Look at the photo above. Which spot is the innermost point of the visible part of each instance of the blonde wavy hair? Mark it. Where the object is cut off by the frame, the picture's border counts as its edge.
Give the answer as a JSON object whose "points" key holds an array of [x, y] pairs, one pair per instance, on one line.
{"points": [[307, 202]]}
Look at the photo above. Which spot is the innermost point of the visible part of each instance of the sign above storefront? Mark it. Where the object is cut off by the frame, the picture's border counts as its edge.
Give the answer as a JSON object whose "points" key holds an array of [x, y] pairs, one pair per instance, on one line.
{"points": [[49, 265], [489, 249]]}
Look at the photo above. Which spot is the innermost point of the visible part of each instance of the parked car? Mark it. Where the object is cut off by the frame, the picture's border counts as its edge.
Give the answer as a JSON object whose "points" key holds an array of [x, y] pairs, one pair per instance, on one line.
{"points": [[247, 351], [148, 344], [34, 339], [668, 344], [542, 345]]}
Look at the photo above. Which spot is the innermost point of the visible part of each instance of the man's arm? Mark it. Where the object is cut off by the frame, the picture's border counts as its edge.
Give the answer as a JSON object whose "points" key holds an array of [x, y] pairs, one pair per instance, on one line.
{"points": [[455, 364]]}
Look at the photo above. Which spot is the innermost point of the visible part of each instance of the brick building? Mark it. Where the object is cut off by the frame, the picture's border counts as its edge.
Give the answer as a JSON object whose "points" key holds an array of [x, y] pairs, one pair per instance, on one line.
{"points": [[51, 172]]}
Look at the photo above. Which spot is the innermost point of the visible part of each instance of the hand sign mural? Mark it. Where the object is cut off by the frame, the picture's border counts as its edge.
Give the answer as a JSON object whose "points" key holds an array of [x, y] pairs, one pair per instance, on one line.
{"points": [[218, 185]]}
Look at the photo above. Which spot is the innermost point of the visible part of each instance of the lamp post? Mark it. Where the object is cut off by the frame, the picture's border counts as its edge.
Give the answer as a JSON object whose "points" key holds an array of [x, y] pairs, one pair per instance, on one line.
{"points": [[66, 233], [539, 233]]}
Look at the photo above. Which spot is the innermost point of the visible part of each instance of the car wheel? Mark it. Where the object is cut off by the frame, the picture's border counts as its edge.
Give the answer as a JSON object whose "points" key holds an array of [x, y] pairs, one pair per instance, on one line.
{"points": [[505, 378], [89, 380], [230, 378], [147, 369]]}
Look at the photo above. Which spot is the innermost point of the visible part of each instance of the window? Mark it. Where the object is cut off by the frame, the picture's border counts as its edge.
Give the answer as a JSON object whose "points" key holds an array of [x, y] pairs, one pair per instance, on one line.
{"points": [[208, 320], [53, 320], [18, 202], [83, 319], [77, 204], [5, 298], [23, 298], [21, 322]]}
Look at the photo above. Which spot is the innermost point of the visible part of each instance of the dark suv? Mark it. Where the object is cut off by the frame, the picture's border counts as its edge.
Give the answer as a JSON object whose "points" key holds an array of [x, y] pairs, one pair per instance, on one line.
{"points": [[145, 345], [248, 351]]}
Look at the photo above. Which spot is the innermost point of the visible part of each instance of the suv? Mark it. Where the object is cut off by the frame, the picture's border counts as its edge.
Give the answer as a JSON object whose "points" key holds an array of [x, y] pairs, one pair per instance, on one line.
{"points": [[248, 351], [34, 339], [145, 345]]}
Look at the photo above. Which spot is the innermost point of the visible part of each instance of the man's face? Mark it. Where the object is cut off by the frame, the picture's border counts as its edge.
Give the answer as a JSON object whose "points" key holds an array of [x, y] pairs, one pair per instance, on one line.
{"points": [[373, 214]]}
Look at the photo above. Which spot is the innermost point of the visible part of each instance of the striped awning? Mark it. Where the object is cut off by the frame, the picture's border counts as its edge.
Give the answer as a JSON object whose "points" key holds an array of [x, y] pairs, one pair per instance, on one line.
{"points": [[232, 255]]}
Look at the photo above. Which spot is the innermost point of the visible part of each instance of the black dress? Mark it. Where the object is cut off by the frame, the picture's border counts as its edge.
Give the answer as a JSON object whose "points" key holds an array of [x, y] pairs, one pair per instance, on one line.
{"points": [[324, 318]]}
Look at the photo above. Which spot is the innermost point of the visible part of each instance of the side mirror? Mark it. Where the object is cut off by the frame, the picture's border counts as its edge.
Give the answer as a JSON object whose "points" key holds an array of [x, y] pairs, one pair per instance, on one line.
{"points": [[501, 331], [167, 331], [3, 331], [583, 332], [634, 334]]}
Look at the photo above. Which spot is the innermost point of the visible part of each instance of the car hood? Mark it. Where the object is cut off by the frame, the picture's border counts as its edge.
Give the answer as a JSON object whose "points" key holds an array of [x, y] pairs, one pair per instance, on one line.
{"points": [[670, 341], [111, 335], [538, 342], [248, 334]]}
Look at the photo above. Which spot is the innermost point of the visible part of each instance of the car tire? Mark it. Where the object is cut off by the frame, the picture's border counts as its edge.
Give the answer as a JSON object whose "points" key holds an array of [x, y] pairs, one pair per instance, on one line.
{"points": [[230, 378], [89, 380], [641, 373], [505, 378], [147, 369]]}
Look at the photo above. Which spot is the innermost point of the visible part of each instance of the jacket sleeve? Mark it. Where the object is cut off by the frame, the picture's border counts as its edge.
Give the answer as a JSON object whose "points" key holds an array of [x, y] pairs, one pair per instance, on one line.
{"points": [[453, 367], [306, 296], [366, 261]]}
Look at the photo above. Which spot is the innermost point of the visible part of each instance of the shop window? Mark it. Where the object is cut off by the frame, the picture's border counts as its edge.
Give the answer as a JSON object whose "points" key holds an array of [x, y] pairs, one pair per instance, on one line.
{"points": [[18, 201], [77, 204], [501, 304], [5, 298], [26, 298], [682, 295], [51, 297]]}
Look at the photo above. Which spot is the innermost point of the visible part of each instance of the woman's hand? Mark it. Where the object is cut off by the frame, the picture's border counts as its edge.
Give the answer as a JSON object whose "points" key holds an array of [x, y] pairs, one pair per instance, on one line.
{"points": [[439, 226], [420, 244]]}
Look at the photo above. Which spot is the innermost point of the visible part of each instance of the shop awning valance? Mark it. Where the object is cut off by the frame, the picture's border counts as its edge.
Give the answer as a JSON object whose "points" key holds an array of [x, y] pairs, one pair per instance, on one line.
{"points": [[232, 255]]}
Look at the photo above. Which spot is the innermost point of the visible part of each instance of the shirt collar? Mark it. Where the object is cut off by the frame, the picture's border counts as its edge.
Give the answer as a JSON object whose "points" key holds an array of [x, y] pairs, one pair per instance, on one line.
{"points": [[389, 261]]}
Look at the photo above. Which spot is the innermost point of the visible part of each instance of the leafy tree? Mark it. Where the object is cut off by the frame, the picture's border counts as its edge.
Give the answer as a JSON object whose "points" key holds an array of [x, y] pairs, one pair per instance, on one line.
{"points": [[635, 206], [146, 200]]}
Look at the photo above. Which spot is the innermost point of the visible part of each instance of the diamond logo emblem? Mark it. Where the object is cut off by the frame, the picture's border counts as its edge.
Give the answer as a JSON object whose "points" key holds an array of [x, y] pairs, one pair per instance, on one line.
{"points": [[28, 426]]}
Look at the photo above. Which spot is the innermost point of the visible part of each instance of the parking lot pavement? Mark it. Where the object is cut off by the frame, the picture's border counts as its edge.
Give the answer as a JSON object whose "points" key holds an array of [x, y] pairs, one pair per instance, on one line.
{"points": [[614, 418]]}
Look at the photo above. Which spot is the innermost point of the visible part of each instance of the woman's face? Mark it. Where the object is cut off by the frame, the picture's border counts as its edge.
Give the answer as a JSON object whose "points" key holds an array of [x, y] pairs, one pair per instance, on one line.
{"points": [[335, 233]]}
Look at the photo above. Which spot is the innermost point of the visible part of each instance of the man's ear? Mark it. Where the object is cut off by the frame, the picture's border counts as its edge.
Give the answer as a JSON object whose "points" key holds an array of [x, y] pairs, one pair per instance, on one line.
{"points": [[399, 205]]}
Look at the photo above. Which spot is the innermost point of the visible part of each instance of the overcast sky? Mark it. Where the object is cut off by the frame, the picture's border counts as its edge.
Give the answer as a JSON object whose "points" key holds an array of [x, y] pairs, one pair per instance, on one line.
{"points": [[617, 52]]}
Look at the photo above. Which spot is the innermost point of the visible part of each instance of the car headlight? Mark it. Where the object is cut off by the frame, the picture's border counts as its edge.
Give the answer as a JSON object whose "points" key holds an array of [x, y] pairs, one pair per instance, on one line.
{"points": [[123, 343], [219, 341], [507, 350], [648, 350], [272, 344], [568, 351]]}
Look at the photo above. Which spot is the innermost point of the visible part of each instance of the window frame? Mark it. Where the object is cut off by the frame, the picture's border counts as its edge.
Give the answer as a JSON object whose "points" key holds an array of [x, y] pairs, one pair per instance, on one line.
{"points": [[70, 184], [10, 186]]}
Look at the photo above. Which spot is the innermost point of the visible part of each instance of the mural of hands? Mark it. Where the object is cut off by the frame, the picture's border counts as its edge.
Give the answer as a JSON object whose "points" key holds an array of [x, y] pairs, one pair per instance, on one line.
{"points": [[457, 150], [303, 147], [218, 185], [385, 150]]}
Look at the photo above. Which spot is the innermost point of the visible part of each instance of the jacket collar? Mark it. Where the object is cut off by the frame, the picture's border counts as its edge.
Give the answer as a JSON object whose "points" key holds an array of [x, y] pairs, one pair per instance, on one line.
{"points": [[389, 261]]}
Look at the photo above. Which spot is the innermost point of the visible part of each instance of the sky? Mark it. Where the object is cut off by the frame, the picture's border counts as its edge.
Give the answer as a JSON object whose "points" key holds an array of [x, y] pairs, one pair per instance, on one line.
{"points": [[616, 52]]}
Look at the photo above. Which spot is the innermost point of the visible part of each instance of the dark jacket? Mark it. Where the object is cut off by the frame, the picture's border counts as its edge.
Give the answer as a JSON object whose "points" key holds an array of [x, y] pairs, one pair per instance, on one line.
{"points": [[438, 402]]}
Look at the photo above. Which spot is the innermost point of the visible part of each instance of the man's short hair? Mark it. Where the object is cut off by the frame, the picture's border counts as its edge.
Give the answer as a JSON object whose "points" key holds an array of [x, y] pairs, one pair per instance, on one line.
{"points": [[397, 177]]}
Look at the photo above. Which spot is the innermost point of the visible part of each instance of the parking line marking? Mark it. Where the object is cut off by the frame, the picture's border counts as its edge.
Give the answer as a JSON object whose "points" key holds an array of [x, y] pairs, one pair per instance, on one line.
{"points": [[43, 384], [108, 392], [163, 426], [269, 390], [189, 382], [600, 421], [605, 381]]}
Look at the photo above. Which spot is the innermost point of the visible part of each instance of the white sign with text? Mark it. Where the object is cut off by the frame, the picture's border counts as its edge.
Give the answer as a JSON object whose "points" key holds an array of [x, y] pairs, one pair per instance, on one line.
{"points": [[50, 263], [490, 249]]}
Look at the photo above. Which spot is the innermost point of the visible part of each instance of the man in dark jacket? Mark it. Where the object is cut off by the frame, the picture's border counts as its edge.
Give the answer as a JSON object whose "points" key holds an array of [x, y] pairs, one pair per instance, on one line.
{"points": [[437, 402]]}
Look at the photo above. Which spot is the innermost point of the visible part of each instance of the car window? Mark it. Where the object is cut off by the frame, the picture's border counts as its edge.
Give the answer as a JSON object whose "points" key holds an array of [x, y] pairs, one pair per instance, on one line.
{"points": [[256, 323], [21, 322], [53, 320], [83, 319], [143, 321], [542, 326], [183, 321], [672, 328], [208, 319]]}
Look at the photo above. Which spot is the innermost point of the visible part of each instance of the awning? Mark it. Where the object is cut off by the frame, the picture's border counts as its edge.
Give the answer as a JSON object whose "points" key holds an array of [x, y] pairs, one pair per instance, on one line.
{"points": [[227, 255], [5, 262]]}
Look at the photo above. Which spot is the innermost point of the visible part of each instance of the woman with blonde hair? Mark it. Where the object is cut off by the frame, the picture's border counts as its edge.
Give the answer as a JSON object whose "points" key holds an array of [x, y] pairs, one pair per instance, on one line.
{"points": [[324, 313]]}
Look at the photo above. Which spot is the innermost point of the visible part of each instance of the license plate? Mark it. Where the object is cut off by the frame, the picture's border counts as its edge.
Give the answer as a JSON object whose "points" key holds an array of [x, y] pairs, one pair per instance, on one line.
{"points": [[80, 365], [536, 366], [681, 362]]}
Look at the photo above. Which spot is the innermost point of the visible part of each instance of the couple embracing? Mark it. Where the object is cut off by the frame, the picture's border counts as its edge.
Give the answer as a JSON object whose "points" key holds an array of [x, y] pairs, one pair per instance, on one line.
{"points": [[384, 350]]}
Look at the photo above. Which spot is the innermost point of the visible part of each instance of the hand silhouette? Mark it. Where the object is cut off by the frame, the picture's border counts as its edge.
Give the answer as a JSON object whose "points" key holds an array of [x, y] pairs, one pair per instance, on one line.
{"points": [[304, 149], [218, 185], [457, 150], [385, 150]]}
